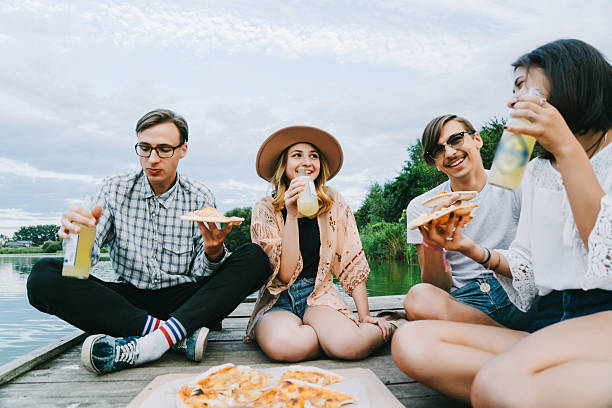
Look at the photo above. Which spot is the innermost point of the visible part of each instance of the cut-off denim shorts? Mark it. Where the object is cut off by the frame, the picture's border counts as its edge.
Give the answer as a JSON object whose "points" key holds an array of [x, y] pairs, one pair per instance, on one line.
{"points": [[566, 304], [294, 299], [487, 295]]}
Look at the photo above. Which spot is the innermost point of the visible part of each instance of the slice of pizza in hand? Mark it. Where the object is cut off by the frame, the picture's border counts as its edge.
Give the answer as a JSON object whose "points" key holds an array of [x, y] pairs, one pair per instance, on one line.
{"points": [[442, 216], [442, 197], [211, 214], [313, 375]]}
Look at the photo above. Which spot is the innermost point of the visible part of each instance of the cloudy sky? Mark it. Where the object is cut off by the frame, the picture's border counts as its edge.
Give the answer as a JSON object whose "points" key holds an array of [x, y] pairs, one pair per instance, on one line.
{"points": [[76, 75]]}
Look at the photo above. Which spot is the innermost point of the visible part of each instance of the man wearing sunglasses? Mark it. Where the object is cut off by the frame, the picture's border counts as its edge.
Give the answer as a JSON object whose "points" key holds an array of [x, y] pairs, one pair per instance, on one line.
{"points": [[172, 279], [455, 287]]}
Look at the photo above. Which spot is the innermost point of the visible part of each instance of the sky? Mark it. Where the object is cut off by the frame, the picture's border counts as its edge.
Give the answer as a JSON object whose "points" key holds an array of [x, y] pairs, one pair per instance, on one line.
{"points": [[75, 76]]}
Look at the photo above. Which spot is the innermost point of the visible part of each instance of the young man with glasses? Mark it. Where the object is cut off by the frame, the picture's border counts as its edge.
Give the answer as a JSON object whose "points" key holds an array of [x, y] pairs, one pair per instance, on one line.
{"points": [[455, 287], [172, 279]]}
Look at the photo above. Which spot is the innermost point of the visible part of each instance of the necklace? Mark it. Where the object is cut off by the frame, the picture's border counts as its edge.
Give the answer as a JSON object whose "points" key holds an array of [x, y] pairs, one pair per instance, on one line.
{"points": [[598, 143]]}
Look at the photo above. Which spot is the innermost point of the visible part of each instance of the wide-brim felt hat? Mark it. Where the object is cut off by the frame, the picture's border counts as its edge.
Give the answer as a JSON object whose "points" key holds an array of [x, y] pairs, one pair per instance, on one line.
{"points": [[278, 141]]}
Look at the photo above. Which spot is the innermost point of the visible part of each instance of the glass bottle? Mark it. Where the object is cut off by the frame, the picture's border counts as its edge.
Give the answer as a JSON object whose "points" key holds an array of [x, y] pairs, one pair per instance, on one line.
{"points": [[77, 248], [512, 154], [308, 202]]}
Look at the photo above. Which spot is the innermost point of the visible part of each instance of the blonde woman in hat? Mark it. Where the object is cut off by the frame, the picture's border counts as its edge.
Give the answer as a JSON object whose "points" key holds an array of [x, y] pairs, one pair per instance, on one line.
{"points": [[299, 312]]}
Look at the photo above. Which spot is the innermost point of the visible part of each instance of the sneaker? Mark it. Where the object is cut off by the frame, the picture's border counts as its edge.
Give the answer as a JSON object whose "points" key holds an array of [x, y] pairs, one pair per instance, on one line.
{"points": [[193, 347], [103, 354]]}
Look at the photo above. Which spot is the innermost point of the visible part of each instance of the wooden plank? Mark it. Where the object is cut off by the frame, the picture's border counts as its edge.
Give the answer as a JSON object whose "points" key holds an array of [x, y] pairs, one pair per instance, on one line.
{"points": [[25, 363], [62, 381]]}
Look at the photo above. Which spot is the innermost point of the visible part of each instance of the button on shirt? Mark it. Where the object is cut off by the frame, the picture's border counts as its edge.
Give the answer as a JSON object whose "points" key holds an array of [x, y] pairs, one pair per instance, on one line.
{"points": [[149, 245]]}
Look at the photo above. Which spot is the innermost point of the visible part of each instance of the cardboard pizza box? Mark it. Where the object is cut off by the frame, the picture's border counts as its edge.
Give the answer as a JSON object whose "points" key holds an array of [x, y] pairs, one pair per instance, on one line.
{"points": [[361, 382]]}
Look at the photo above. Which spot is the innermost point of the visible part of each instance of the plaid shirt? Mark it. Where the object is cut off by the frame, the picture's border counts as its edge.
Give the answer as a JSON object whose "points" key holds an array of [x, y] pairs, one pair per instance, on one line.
{"points": [[149, 245]]}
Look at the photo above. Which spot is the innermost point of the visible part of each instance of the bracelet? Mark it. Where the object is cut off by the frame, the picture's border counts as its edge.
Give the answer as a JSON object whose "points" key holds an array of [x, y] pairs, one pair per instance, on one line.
{"points": [[487, 256], [433, 248]]}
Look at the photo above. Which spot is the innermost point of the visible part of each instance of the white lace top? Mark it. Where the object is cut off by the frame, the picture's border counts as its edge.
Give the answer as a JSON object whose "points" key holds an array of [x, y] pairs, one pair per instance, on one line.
{"points": [[548, 253]]}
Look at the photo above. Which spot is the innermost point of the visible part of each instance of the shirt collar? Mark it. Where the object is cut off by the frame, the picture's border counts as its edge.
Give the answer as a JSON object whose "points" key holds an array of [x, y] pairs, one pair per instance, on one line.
{"points": [[147, 192]]}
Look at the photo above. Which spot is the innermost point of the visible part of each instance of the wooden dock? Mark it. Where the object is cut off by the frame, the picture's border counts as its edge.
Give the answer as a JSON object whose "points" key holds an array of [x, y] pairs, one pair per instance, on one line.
{"points": [[53, 376]]}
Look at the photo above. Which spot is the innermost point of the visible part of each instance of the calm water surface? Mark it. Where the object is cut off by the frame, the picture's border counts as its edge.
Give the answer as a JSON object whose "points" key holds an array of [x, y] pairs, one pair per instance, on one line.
{"points": [[23, 328]]}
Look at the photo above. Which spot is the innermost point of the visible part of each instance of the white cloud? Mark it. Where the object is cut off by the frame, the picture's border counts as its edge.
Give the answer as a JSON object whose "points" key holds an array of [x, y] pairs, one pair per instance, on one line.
{"points": [[11, 219], [22, 169]]}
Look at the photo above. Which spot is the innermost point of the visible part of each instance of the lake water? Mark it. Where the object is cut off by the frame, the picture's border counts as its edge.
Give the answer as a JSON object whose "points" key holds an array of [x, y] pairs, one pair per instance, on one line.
{"points": [[23, 328]]}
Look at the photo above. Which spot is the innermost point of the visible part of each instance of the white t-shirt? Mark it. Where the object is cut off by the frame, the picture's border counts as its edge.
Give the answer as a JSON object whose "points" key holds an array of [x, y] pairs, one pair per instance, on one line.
{"points": [[548, 253], [494, 226]]}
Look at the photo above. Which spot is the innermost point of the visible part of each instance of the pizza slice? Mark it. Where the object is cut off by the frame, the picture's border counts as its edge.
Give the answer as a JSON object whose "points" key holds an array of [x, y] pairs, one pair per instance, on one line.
{"points": [[312, 375], [211, 214], [315, 396], [225, 385], [443, 215]]}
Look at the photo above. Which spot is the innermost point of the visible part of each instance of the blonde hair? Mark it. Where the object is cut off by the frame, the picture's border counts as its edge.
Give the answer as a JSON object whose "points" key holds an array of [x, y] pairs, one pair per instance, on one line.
{"points": [[280, 181]]}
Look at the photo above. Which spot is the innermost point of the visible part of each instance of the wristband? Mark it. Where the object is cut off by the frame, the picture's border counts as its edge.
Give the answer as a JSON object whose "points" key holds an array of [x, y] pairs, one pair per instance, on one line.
{"points": [[433, 248], [487, 256]]}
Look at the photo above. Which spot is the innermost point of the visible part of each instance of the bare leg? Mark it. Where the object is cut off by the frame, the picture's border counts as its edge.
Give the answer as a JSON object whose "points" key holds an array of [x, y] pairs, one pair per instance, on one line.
{"points": [[282, 337], [428, 302], [339, 336], [447, 355], [568, 364]]}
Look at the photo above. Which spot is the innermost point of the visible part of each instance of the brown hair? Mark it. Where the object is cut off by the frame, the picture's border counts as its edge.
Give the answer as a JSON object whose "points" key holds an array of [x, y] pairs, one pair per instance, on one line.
{"points": [[280, 181], [158, 116], [432, 132]]}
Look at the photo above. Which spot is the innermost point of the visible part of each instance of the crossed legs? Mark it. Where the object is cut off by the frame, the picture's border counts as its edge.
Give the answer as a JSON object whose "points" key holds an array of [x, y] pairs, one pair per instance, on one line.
{"points": [[565, 364]]}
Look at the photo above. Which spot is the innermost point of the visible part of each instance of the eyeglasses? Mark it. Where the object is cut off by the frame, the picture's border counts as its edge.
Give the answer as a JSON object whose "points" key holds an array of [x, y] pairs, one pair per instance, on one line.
{"points": [[454, 141], [163, 151]]}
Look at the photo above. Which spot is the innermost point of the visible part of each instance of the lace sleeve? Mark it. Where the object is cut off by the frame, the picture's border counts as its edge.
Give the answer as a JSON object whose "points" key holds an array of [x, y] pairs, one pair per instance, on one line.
{"points": [[521, 289], [599, 269], [266, 233]]}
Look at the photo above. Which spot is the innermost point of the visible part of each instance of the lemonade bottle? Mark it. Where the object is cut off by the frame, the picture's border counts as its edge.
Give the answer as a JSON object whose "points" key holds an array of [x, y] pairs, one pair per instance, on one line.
{"points": [[307, 203], [512, 154], [77, 249]]}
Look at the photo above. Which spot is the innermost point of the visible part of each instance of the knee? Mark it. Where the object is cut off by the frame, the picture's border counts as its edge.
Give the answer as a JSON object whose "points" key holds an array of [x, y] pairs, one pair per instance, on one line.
{"points": [[283, 345], [423, 302], [43, 278], [345, 347], [411, 347], [488, 388]]}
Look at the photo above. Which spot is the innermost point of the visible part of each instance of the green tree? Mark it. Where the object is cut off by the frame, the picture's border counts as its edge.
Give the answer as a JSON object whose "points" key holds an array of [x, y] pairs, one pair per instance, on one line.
{"points": [[240, 233], [52, 246], [490, 133], [38, 234], [415, 179], [373, 208]]}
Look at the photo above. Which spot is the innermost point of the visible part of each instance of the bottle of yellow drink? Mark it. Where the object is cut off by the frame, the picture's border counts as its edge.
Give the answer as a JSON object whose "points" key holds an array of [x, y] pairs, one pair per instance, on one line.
{"points": [[308, 203], [512, 155], [77, 251]]}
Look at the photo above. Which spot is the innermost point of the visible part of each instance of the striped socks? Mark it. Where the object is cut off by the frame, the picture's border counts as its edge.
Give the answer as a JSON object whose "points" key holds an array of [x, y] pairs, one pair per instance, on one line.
{"points": [[155, 343], [173, 331], [151, 325]]}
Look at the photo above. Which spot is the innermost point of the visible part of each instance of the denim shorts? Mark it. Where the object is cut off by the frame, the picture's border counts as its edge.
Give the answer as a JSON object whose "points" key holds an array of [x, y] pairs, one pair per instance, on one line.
{"points": [[487, 294], [566, 304], [294, 299]]}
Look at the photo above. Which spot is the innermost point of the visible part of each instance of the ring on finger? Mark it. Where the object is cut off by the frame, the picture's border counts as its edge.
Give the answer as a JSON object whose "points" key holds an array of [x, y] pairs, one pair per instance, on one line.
{"points": [[542, 101]]}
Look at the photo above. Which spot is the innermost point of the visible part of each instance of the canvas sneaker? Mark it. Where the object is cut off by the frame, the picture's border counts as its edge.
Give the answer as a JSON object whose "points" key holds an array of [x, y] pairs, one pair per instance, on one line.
{"points": [[193, 347], [103, 354]]}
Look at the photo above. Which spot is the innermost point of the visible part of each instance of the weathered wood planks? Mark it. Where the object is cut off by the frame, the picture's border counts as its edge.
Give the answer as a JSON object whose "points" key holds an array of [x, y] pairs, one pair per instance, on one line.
{"points": [[61, 381]]}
